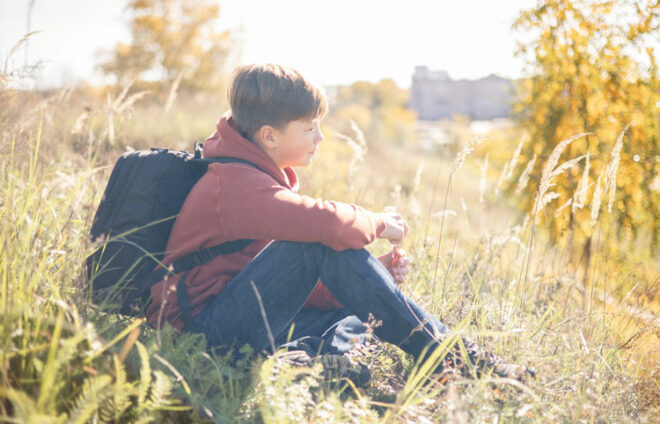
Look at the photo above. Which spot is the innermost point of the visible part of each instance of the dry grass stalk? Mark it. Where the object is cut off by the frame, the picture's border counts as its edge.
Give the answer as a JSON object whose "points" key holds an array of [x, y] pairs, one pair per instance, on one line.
{"points": [[417, 181], [359, 135], [357, 144], [566, 166], [80, 123], [358, 151], [580, 195], [482, 181], [564, 206], [550, 196], [612, 168], [119, 107], [524, 177], [123, 104], [500, 181], [551, 170], [6, 73], [547, 198], [595, 202], [172, 94], [271, 339], [514, 158], [418, 177], [509, 166], [610, 189], [458, 162], [465, 151]]}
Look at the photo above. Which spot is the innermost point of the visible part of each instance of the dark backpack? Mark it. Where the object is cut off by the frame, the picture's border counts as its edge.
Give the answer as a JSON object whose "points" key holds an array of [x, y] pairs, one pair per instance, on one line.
{"points": [[133, 222]]}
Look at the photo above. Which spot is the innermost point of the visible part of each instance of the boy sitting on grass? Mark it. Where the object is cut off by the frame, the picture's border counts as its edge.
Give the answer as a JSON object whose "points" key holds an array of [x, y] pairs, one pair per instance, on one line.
{"points": [[306, 266]]}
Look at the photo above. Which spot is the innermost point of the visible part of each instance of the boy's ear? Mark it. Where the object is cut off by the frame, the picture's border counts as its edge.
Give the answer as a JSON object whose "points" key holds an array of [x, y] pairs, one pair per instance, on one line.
{"points": [[266, 136]]}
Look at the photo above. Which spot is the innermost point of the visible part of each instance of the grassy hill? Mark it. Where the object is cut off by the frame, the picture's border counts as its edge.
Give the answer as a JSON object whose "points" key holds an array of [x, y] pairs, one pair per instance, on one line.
{"points": [[476, 266]]}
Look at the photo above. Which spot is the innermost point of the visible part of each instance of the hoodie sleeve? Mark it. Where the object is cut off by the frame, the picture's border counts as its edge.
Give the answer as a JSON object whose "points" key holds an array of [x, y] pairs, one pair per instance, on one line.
{"points": [[255, 206]]}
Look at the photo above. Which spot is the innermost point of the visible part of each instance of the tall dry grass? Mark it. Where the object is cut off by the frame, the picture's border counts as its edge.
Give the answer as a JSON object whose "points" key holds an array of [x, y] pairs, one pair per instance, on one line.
{"points": [[64, 360]]}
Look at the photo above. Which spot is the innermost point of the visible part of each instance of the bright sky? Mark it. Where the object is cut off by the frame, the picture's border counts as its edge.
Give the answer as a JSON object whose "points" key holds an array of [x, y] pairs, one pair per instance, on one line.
{"points": [[330, 42]]}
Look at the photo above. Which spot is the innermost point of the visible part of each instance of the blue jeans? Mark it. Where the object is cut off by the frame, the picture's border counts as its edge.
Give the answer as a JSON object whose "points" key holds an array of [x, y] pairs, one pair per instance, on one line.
{"points": [[285, 273]]}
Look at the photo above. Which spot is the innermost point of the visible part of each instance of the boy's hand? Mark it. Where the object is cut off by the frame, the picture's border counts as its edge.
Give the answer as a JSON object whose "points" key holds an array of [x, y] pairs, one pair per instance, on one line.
{"points": [[396, 227], [397, 263]]}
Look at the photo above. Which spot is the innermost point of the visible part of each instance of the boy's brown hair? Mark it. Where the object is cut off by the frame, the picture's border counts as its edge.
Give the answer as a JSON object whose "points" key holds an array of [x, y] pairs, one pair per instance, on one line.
{"points": [[272, 95]]}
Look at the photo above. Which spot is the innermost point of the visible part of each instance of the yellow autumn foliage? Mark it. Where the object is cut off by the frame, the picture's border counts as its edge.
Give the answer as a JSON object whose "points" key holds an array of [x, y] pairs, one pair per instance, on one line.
{"points": [[592, 67]]}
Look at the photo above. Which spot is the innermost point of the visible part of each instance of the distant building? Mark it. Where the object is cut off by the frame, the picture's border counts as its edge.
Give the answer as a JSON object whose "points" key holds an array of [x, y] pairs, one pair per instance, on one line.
{"points": [[435, 96]]}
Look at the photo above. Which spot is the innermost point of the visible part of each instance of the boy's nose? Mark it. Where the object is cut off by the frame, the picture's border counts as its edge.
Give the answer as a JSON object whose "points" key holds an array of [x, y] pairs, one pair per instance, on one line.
{"points": [[319, 137]]}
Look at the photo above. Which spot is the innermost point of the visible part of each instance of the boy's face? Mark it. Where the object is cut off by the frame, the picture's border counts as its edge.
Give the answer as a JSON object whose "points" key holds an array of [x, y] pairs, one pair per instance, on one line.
{"points": [[296, 143]]}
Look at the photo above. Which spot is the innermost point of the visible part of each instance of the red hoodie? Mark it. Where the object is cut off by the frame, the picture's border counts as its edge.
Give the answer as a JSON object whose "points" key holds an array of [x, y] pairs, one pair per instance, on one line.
{"points": [[236, 201]]}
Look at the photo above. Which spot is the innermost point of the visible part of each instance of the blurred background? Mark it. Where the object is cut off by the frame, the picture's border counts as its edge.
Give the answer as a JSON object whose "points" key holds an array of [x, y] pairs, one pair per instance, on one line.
{"points": [[331, 44]]}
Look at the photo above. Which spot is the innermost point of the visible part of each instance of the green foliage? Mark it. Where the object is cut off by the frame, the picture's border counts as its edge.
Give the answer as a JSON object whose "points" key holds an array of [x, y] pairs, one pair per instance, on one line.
{"points": [[59, 370], [592, 67], [55, 366]]}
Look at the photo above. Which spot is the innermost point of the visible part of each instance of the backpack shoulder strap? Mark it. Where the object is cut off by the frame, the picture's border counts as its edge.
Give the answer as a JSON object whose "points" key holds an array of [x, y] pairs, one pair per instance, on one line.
{"points": [[199, 257]]}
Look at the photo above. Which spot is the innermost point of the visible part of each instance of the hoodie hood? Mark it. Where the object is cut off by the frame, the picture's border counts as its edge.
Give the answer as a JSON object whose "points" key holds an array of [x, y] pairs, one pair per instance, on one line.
{"points": [[227, 141]]}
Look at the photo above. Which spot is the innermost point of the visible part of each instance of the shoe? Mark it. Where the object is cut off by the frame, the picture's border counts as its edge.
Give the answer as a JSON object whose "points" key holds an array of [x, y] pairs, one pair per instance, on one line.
{"points": [[482, 361], [335, 367], [338, 367]]}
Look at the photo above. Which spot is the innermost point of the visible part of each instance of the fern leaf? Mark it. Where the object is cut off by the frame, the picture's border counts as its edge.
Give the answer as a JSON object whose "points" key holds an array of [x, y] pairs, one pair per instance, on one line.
{"points": [[160, 391], [92, 395], [24, 406], [116, 405], [145, 374], [63, 350]]}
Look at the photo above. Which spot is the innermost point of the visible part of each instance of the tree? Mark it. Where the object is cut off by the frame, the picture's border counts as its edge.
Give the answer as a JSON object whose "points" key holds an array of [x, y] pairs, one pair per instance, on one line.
{"points": [[592, 67], [172, 39]]}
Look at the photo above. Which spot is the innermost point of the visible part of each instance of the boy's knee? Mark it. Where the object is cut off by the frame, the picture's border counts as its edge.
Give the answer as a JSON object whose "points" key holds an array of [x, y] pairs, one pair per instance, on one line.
{"points": [[300, 248], [284, 244], [316, 249]]}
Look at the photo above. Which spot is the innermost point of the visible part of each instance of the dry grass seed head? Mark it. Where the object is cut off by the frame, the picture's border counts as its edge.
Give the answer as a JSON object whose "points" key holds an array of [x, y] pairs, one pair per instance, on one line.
{"points": [[358, 151], [120, 107], [482, 181], [514, 158], [465, 151], [172, 94], [524, 177], [565, 166], [6, 75], [547, 198], [509, 166], [612, 168], [595, 203], [418, 177], [357, 144], [500, 181], [551, 170], [359, 135], [580, 195]]}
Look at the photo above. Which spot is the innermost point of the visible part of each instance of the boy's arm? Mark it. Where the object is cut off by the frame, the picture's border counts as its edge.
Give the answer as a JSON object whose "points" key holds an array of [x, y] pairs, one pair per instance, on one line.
{"points": [[259, 208]]}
